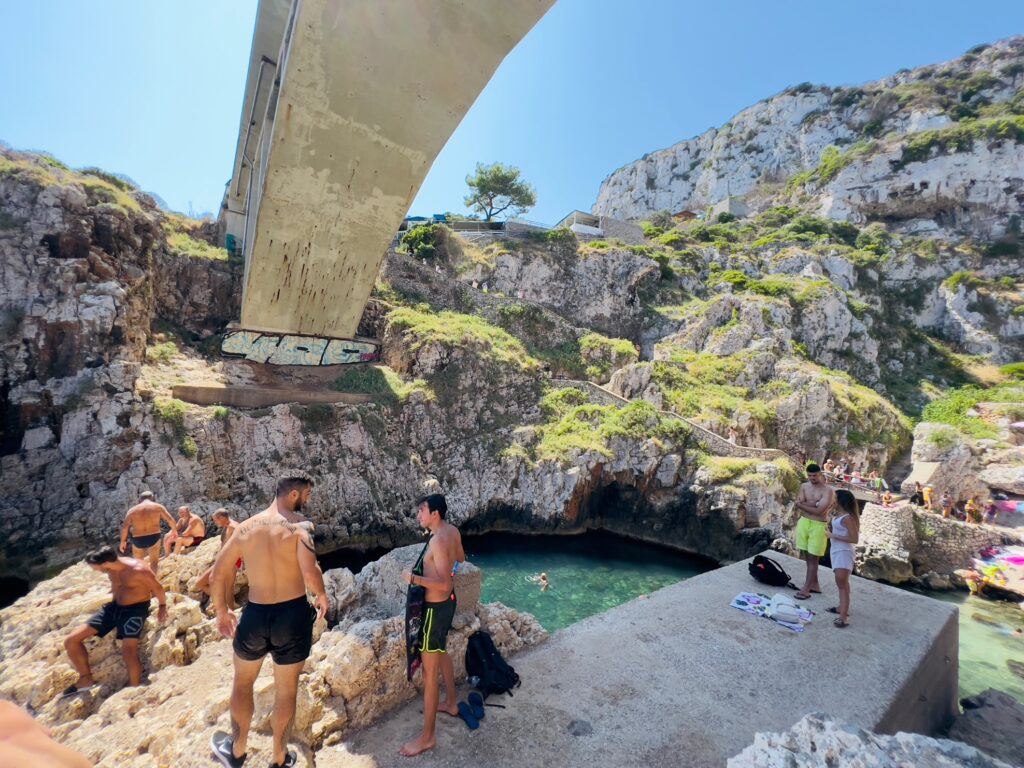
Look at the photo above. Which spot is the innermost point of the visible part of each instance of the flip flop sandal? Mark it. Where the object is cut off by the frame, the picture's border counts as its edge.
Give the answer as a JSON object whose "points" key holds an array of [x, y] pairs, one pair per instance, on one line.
{"points": [[467, 715], [289, 761], [841, 624], [476, 704], [802, 596], [833, 609]]}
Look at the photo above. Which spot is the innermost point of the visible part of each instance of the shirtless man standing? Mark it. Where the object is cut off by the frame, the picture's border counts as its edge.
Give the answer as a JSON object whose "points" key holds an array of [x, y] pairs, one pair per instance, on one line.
{"points": [[280, 561], [228, 527], [444, 551], [143, 523], [814, 501], [188, 531], [133, 584]]}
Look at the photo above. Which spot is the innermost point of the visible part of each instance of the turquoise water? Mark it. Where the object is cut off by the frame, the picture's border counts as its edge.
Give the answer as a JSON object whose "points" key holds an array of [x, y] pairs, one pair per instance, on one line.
{"points": [[987, 643], [588, 574]]}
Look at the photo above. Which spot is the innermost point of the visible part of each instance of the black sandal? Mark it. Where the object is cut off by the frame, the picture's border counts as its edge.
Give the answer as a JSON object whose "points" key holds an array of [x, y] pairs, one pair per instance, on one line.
{"points": [[841, 624]]}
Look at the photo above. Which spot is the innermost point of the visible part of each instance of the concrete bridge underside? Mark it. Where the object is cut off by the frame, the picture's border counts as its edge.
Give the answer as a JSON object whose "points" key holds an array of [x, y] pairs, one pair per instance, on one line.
{"points": [[347, 105]]}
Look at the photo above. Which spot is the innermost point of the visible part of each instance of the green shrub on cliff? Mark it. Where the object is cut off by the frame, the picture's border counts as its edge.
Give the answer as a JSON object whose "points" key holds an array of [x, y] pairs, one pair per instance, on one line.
{"points": [[960, 137], [161, 353], [457, 330], [573, 425], [955, 407], [381, 382]]}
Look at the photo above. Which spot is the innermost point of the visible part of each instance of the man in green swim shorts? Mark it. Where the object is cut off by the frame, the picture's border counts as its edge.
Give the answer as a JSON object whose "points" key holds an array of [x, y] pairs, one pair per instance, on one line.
{"points": [[814, 501]]}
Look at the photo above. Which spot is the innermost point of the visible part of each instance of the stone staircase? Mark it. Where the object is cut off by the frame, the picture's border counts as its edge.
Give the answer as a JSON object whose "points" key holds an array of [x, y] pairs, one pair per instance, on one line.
{"points": [[714, 443]]}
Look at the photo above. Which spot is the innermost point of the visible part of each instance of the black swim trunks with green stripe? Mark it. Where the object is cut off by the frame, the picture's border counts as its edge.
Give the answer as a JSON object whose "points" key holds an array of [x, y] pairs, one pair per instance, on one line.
{"points": [[437, 620]]}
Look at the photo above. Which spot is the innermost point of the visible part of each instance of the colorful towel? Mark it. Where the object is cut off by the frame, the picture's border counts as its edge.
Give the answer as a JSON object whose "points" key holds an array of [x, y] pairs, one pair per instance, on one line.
{"points": [[757, 605]]}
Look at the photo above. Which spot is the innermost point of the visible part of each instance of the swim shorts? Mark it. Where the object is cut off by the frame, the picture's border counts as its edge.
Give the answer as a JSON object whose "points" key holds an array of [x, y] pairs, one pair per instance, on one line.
{"points": [[284, 630], [128, 619], [437, 620], [145, 542], [810, 536]]}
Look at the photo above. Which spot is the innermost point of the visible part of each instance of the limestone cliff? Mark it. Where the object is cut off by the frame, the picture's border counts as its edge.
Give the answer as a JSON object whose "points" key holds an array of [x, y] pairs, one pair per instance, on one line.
{"points": [[935, 149]]}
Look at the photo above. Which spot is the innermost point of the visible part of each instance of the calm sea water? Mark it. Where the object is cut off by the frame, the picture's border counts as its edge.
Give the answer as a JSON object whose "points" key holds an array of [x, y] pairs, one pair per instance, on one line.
{"points": [[987, 643], [588, 574]]}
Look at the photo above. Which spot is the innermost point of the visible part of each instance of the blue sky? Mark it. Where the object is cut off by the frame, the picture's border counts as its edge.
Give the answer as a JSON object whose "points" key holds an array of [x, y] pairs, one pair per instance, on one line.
{"points": [[153, 89]]}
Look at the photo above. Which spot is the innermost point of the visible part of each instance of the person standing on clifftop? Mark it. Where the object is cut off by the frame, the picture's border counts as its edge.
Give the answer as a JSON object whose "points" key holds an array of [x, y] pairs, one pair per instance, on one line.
{"points": [[142, 527], [133, 584], [280, 562], [435, 575], [814, 501]]}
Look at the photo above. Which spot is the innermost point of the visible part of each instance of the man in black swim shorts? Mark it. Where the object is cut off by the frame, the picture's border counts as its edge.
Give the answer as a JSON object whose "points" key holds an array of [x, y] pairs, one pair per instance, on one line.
{"points": [[434, 573], [280, 561], [437, 621], [142, 527], [133, 585]]}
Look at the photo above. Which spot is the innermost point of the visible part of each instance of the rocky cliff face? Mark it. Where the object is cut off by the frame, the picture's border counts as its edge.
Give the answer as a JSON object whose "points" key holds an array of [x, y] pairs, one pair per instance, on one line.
{"points": [[904, 150], [107, 313]]}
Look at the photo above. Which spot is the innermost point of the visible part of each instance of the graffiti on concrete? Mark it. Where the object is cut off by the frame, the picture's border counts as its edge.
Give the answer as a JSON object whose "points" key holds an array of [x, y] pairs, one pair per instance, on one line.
{"points": [[297, 350]]}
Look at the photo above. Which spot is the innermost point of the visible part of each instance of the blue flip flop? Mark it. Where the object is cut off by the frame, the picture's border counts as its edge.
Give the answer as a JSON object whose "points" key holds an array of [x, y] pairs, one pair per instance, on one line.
{"points": [[476, 704], [467, 715]]}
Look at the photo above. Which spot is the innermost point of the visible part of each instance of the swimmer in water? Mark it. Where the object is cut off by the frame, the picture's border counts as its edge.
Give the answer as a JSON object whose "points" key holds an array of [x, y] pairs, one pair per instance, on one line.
{"points": [[544, 583]]}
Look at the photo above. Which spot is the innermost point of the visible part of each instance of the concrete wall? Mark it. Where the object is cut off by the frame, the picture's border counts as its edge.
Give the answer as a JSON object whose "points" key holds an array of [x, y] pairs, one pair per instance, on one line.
{"points": [[944, 544], [369, 94], [626, 231]]}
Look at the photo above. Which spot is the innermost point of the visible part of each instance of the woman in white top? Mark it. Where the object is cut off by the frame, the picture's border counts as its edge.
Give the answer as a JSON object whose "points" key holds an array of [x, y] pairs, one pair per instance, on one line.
{"points": [[844, 530]]}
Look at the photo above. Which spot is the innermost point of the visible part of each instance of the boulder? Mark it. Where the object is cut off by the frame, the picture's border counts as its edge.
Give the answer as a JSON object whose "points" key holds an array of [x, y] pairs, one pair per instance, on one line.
{"points": [[819, 741], [993, 722]]}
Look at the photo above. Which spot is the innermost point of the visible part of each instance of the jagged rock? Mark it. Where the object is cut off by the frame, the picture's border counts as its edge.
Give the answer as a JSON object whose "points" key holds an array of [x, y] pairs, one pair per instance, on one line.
{"points": [[1005, 478], [993, 722], [33, 664], [356, 671], [820, 741]]}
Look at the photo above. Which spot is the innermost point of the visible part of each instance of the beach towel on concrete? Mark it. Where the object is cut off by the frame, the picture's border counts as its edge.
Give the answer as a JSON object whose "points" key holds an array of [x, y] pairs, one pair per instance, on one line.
{"points": [[757, 605]]}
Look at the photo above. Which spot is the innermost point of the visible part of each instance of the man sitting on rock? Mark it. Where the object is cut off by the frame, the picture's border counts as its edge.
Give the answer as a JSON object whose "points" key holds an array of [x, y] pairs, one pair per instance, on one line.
{"points": [[133, 585], [281, 563], [189, 531], [228, 527], [141, 526], [814, 501]]}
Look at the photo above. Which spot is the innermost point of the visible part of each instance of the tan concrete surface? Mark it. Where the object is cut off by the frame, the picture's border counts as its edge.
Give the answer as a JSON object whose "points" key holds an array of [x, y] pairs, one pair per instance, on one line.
{"points": [[370, 92], [682, 679], [259, 397]]}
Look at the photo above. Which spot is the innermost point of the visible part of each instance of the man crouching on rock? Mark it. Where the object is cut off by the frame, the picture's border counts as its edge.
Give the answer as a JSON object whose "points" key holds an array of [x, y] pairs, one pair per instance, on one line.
{"points": [[133, 584], [280, 561], [434, 573]]}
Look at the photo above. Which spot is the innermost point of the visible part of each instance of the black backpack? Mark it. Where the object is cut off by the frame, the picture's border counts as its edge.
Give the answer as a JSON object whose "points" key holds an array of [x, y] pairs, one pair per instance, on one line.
{"points": [[483, 661], [769, 572]]}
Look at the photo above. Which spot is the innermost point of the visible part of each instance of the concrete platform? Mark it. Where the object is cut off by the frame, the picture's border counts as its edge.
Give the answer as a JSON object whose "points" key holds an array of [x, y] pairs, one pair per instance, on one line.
{"points": [[259, 397], [682, 679]]}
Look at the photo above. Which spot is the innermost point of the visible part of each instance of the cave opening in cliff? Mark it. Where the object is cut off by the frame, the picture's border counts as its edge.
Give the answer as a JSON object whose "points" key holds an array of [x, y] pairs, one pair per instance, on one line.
{"points": [[11, 588]]}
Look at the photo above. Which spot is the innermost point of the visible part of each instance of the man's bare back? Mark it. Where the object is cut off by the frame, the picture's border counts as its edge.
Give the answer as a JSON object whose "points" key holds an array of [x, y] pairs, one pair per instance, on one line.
{"points": [[144, 518], [134, 584], [269, 544]]}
